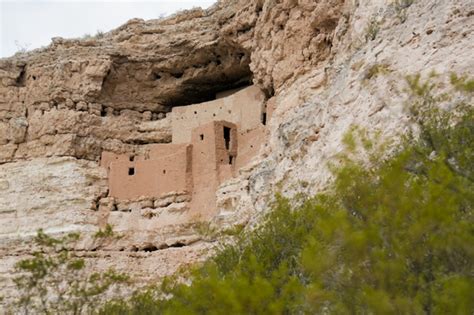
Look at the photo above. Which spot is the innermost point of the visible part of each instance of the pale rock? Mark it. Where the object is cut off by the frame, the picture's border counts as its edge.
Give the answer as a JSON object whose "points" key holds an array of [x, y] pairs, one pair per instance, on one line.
{"points": [[17, 129], [81, 106], [4, 132], [44, 106], [95, 109], [70, 104], [147, 115]]}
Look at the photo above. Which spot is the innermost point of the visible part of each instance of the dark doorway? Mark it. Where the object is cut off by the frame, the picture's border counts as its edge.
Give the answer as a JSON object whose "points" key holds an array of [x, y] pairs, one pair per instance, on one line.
{"points": [[227, 137], [131, 171], [264, 119]]}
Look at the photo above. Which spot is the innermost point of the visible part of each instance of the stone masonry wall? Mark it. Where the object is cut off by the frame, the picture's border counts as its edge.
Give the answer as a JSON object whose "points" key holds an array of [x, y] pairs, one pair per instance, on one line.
{"points": [[244, 108]]}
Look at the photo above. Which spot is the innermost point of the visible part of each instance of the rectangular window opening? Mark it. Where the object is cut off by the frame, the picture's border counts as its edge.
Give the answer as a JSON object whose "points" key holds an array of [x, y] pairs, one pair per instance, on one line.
{"points": [[264, 118], [231, 159], [227, 137], [131, 171], [201, 136]]}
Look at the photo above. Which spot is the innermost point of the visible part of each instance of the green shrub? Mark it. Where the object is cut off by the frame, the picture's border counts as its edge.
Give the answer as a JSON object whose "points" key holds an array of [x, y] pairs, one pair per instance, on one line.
{"points": [[377, 69], [462, 83], [401, 7], [99, 34], [105, 233], [372, 30]]}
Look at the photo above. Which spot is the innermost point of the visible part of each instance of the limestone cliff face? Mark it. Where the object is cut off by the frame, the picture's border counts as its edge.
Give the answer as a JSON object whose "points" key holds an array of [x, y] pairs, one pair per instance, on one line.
{"points": [[61, 106]]}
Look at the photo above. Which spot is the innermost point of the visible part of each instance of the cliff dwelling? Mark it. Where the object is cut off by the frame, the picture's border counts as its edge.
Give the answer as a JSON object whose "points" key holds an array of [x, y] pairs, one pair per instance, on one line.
{"points": [[211, 142]]}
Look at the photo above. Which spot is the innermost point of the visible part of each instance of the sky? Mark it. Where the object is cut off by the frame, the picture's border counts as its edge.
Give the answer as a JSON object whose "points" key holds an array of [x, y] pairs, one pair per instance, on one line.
{"points": [[30, 24]]}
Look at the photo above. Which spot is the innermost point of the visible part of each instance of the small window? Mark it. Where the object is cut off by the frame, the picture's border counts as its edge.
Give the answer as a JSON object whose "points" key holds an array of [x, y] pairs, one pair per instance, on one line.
{"points": [[177, 75], [264, 118], [131, 171], [195, 112], [131, 158], [164, 171], [231, 159], [201, 136], [227, 137]]}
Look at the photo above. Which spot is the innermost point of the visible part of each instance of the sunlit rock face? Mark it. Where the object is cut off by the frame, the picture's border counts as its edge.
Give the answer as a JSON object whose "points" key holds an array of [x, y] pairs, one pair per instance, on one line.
{"points": [[61, 107]]}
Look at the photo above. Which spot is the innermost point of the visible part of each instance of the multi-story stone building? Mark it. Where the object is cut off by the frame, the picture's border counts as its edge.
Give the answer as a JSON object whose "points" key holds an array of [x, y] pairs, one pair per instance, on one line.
{"points": [[211, 141]]}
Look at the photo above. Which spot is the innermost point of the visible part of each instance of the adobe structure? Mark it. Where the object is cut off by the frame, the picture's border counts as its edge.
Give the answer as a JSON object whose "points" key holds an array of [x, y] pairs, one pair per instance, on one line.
{"points": [[211, 141]]}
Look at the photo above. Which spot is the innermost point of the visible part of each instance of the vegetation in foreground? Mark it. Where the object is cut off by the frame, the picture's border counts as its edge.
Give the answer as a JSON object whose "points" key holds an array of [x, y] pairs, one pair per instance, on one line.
{"points": [[397, 237]]}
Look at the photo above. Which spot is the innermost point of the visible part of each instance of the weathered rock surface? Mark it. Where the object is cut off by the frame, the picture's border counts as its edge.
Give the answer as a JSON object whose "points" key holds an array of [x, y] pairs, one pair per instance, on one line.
{"points": [[61, 194], [316, 61]]}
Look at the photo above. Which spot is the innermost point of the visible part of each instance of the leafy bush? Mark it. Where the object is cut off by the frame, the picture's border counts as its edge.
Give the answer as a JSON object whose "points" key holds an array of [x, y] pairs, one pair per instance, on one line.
{"points": [[401, 7], [377, 69], [99, 34], [397, 238], [105, 233], [372, 29]]}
